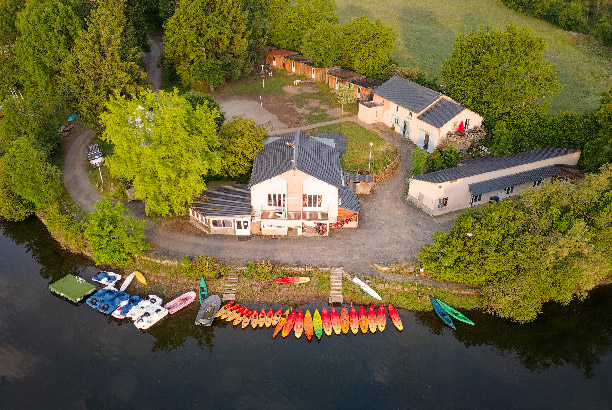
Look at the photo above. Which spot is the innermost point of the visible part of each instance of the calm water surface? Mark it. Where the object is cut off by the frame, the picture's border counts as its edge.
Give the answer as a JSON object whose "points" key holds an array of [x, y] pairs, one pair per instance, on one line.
{"points": [[54, 355]]}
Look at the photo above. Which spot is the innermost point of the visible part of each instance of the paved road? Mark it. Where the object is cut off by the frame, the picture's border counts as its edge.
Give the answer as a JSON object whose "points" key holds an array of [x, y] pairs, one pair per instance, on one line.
{"points": [[391, 229]]}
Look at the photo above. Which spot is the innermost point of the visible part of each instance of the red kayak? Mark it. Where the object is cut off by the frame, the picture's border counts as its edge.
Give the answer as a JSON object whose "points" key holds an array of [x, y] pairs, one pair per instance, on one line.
{"points": [[354, 320], [292, 280], [327, 327], [298, 326], [382, 318], [395, 318], [363, 320], [289, 324], [372, 319], [335, 321]]}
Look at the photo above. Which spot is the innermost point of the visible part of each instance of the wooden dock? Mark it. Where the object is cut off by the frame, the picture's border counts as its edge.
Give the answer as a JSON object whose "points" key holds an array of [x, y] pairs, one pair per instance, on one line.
{"points": [[229, 288], [335, 289]]}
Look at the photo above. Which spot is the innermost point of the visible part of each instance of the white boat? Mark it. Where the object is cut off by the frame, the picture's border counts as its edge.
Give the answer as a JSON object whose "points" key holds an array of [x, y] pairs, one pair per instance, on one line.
{"points": [[366, 288], [151, 316], [127, 282], [145, 303]]}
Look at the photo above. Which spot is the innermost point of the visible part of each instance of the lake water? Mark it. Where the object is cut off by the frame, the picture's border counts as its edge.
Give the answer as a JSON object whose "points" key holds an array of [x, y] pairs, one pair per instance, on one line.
{"points": [[54, 355]]}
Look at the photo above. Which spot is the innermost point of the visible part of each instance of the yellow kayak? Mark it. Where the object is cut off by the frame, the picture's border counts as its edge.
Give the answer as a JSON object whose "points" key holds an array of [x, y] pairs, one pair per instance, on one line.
{"points": [[280, 324], [262, 318], [269, 318], [344, 320], [246, 319], [254, 319]]}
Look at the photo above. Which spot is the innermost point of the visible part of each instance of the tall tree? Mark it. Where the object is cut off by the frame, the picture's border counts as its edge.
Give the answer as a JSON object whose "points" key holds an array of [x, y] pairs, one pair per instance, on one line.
{"points": [[367, 46], [345, 94], [196, 98], [8, 11], [207, 41], [322, 43], [47, 30], [163, 145], [241, 140], [101, 62], [12, 206], [500, 74]]}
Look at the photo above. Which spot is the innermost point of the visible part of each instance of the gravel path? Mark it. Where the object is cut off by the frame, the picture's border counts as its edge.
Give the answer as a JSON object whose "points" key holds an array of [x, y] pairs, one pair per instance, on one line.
{"points": [[154, 73], [391, 230]]}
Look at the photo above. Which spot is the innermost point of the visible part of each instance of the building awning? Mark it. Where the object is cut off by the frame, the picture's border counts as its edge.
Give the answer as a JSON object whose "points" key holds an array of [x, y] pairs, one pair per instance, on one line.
{"points": [[507, 181]]}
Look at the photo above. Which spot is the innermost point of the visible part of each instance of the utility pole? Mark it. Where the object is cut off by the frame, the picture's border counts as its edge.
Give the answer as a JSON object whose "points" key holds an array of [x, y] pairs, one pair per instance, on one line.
{"points": [[370, 161]]}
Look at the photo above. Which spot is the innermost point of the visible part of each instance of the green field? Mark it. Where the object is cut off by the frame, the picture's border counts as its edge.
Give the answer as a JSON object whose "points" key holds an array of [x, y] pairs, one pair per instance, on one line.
{"points": [[426, 33]]}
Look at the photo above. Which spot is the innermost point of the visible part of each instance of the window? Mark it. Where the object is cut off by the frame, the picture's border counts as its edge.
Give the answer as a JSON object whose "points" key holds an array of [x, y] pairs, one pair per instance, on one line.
{"points": [[467, 123], [410, 114], [509, 190], [312, 201], [442, 202], [273, 60], [476, 199], [397, 120], [397, 108], [538, 182], [277, 200], [222, 223], [242, 224]]}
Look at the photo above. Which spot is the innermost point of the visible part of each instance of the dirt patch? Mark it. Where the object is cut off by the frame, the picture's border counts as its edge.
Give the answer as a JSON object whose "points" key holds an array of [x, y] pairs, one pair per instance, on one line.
{"points": [[250, 108], [303, 88]]}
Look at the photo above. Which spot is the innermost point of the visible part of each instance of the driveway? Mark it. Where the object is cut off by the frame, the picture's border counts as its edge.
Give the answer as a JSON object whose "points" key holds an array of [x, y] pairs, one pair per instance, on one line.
{"points": [[391, 229]]}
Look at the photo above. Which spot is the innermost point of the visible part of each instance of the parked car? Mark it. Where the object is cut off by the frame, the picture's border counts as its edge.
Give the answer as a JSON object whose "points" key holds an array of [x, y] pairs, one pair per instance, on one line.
{"points": [[94, 155]]}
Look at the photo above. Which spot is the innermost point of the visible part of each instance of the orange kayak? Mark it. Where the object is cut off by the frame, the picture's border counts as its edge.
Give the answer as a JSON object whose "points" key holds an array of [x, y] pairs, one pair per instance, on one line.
{"points": [[224, 309], [269, 318], [230, 312], [363, 320], [246, 319], [277, 316], [344, 320], [327, 328], [280, 323], [293, 280], [354, 320], [262, 317], [308, 327], [335, 321], [238, 318], [298, 326], [289, 324], [254, 319], [395, 318], [372, 319], [382, 318]]}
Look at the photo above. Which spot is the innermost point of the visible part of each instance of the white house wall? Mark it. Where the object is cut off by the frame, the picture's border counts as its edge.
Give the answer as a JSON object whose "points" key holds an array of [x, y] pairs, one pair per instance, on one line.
{"points": [[259, 192], [313, 186]]}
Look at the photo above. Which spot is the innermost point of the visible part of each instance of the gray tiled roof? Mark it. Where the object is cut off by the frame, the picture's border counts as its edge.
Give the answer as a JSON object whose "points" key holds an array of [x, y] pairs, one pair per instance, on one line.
{"points": [[507, 181], [441, 112], [407, 94], [311, 157], [366, 82], [224, 201], [357, 177], [339, 140], [489, 164], [348, 200]]}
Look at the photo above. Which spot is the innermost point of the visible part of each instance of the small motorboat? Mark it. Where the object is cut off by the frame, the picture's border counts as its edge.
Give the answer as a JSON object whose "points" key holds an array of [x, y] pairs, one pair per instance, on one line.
{"points": [[366, 288], [317, 323], [354, 320], [325, 319], [298, 326], [277, 316], [106, 278], [110, 304], [289, 324], [308, 327], [442, 314], [179, 303], [127, 282], [372, 319], [292, 280], [151, 316], [146, 302], [363, 320], [344, 320], [208, 310], [455, 313], [280, 324], [125, 306], [335, 321], [397, 322], [382, 318], [269, 318], [100, 296]]}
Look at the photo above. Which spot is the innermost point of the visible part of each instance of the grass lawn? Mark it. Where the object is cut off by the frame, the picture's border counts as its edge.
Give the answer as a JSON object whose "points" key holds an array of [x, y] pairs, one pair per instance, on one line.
{"points": [[358, 147], [426, 33], [253, 84]]}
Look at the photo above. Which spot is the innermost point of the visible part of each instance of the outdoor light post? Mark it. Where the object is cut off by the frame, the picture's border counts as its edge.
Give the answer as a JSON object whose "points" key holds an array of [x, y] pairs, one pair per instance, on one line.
{"points": [[263, 77], [370, 161]]}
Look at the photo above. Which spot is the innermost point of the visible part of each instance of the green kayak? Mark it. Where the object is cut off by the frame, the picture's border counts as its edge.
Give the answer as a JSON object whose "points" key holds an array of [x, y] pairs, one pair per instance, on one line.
{"points": [[318, 324], [455, 313]]}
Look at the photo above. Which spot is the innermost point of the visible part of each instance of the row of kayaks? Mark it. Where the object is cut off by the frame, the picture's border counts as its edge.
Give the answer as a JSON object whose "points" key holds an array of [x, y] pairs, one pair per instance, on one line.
{"points": [[312, 324], [445, 312]]}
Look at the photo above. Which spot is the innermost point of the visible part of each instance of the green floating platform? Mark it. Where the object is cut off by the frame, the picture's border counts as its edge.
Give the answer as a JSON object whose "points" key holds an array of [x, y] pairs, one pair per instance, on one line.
{"points": [[72, 287]]}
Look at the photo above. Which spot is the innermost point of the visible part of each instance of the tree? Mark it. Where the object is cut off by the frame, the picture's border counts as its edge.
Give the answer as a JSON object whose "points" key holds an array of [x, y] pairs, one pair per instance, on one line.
{"points": [[207, 40], [163, 145], [500, 74], [419, 158], [8, 11], [12, 206], [9, 71], [322, 43], [114, 235], [345, 94], [101, 62], [47, 29], [196, 98], [442, 159], [241, 140], [367, 46]]}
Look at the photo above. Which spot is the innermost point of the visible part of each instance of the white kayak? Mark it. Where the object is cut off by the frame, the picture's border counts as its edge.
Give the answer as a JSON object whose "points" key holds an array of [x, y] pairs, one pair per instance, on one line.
{"points": [[366, 288], [127, 282], [151, 316], [139, 309]]}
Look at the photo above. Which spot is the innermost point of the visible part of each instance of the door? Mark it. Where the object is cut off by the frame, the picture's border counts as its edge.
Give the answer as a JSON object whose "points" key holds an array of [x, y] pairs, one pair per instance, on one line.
{"points": [[243, 226], [426, 143], [274, 61], [406, 129]]}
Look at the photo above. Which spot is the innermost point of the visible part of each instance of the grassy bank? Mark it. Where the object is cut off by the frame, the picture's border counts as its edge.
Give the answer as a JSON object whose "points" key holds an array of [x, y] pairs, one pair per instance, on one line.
{"points": [[427, 30]]}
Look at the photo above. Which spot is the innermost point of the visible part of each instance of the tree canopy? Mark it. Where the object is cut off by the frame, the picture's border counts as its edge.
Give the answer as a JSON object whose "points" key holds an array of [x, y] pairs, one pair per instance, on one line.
{"points": [[196, 98], [102, 62], [27, 118], [8, 11], [345, 94], [163, 145], [207, 41], [114, 235], [322, 43], [241, 140], [501, 74]]}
